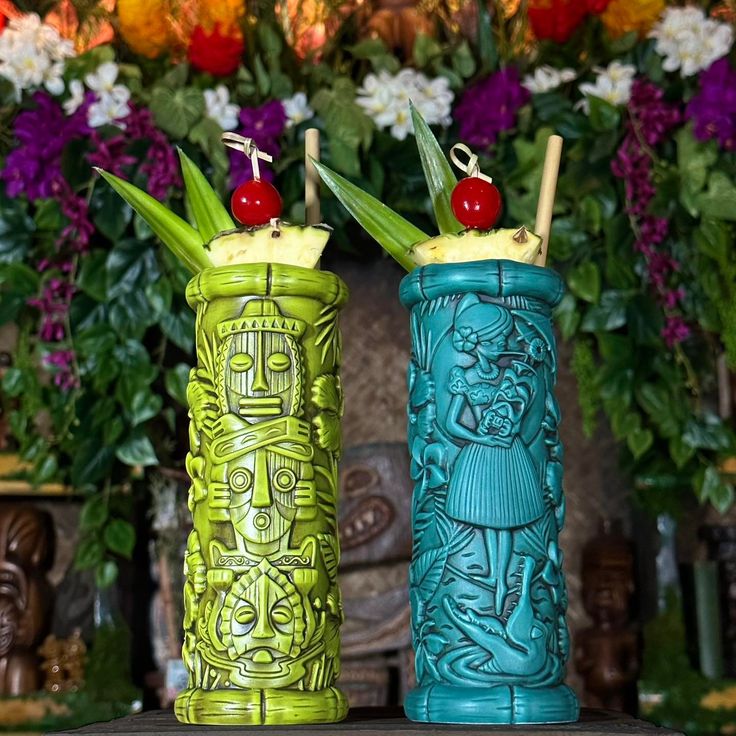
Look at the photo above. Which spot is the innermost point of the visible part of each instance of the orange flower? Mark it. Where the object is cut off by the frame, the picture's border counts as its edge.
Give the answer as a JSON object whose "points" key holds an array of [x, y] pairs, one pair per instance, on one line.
{"points": [[624, 16], [145, 25], [226, 13]]}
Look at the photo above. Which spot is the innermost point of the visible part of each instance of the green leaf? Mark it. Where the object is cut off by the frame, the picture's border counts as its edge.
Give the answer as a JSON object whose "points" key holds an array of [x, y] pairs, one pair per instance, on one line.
{"points": [[694, 158], [144, 406], [462, 60], [92, 275], [130, 266], [590, 214], [486, 43], [46, 469], [392, 232], [111, 215], [179, 328], [440, 179], [706, 433], [119, 536], [13, 382], [106, 573], [263, 79], [585, 282], [658, 403], [48, 215], [344, 121], [92, 462], [603, 115], [207, 135], [681, 453], [16, 230], [94, 513], [375, 51], [175, 381], [176, 111], [609, 314], [176, 234], [719, 200], [714, 240], [90, 553], [209, 212], [137, 449], [639, 441], [159, 295], [567, 316], [710, 487], [426, 49]]}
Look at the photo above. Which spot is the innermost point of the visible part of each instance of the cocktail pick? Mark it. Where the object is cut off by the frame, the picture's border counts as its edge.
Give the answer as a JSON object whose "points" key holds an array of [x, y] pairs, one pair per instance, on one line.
{"points": [[255, 202], [249, 148], [547, 189]]}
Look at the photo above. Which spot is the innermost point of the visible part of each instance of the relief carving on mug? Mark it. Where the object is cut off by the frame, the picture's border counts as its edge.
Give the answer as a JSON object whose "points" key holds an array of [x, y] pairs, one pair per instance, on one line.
{"points": [[486, 510]]}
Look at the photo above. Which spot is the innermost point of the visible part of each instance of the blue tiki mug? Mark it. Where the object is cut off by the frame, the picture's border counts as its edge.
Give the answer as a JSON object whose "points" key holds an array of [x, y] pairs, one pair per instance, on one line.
{"points": [[487, 589]]}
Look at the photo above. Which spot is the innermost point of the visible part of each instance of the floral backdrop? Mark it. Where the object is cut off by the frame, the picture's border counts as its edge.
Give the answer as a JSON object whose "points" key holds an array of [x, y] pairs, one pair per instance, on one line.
{"points": [[643, 91]]}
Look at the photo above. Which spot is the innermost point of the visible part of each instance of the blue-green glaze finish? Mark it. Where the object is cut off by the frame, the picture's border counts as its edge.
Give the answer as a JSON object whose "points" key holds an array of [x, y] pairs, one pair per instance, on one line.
{"points": [[487, 589]]}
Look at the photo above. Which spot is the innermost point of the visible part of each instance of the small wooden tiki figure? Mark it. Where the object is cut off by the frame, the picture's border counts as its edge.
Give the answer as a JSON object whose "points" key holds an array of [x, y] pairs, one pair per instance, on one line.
{"points": [[73, 660], [51, 653], [607, 653], [26, 546]]}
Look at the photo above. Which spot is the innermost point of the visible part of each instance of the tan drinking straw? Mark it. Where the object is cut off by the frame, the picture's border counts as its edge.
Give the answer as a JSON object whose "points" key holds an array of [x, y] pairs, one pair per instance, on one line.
{"points": [[311, 177], [547, 190]]}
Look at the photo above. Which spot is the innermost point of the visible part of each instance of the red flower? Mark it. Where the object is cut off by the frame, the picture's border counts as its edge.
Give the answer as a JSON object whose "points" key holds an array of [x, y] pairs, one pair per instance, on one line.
{"points": [[215, 52], [597, 6], [558, 19]]}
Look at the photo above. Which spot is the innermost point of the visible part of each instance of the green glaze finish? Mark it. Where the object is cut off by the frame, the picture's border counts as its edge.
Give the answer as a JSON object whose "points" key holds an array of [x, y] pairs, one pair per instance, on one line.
{"points": [[262, 604], [487, 588]]}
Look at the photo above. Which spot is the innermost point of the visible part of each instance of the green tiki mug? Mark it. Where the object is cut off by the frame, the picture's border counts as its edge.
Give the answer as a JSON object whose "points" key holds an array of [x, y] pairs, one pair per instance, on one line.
{"points": [[262, 604]]}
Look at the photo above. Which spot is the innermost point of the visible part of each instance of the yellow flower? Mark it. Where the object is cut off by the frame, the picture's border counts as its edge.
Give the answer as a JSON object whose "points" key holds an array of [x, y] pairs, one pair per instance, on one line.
{"points": [[715, 699], [624, 16], [145, 25]]}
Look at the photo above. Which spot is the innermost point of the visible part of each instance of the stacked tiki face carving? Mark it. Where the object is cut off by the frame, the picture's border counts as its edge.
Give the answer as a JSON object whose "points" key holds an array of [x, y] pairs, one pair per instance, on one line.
{"points": [[262, 605], [26, 553], [487, 590]]}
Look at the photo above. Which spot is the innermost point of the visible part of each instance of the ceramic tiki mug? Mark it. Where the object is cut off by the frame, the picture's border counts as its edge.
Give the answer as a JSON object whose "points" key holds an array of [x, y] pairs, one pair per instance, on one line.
{"points": [[262, 604], [487, 589]]}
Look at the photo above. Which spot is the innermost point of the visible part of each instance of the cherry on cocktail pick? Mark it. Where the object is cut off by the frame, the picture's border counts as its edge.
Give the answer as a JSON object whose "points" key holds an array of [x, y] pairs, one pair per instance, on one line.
{"points": [[475, 201], [255, 202]]}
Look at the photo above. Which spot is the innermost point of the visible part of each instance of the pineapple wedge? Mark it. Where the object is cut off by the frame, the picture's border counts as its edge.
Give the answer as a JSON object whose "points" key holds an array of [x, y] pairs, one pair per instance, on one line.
{"points": [[277, 242], [474, 245]]}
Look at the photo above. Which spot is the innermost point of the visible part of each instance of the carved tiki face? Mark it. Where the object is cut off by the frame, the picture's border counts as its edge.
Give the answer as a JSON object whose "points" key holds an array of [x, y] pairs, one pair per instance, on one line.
{"points": [[263, 622], [267, 487], [260, 364]]}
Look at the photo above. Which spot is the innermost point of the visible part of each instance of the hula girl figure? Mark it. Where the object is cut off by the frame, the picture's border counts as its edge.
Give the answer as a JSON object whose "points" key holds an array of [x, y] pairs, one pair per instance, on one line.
{"points": [[490, 399]]}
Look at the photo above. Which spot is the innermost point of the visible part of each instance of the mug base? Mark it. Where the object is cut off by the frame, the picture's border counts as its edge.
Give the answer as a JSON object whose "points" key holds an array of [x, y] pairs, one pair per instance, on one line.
{"points": [[499, 704], [231, 707]]}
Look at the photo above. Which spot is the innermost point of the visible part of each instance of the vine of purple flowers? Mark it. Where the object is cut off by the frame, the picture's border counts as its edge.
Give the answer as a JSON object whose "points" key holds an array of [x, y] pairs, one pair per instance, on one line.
{"points": [[651, 119]]}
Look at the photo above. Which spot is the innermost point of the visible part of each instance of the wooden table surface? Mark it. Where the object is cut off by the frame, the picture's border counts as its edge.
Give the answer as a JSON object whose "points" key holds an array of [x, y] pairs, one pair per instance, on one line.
{"points": [[376, 722]]}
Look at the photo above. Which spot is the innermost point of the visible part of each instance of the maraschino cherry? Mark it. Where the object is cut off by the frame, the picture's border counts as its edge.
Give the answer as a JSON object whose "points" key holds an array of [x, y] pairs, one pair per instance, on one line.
{"points": [[255, 202], [475, 201]]}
